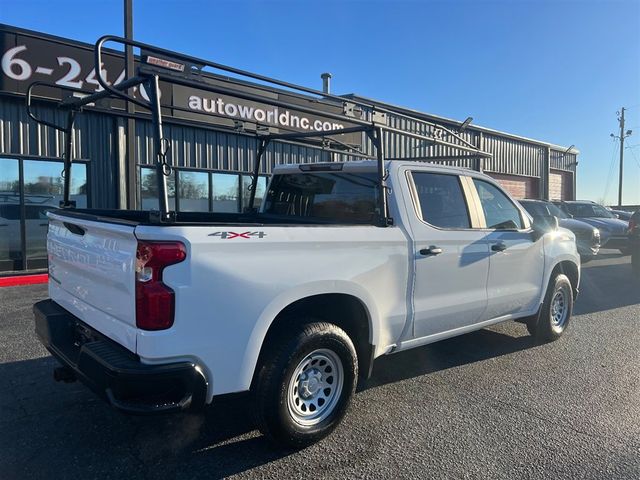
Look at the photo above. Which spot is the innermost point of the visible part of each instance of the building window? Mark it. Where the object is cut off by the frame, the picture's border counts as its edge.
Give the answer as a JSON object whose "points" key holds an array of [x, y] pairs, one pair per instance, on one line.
{"points": [[193, 189], [28, 190], [226, 192], [201, 191], [149, 189], [261, 188], [43, 183], [10, 216]]}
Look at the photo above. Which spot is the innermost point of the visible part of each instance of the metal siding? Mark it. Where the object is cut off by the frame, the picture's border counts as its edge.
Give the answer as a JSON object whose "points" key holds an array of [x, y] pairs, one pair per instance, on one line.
{"points": [[563, 161], [199, 148], [193, 147], [510, 156], [94, 140]]}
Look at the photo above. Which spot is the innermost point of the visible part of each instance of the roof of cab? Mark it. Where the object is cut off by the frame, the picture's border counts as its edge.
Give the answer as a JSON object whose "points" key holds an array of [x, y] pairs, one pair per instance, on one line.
{"points": [[372, 166]]}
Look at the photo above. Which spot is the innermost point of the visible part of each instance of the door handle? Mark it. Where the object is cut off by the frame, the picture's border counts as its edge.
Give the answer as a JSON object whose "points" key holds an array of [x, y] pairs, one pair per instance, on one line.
{"points": [[432, 250], [498, 247]]}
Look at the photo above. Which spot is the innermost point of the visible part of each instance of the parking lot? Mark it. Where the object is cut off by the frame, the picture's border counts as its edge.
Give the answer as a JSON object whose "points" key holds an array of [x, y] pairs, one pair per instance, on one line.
{"points": [[490, 404]]}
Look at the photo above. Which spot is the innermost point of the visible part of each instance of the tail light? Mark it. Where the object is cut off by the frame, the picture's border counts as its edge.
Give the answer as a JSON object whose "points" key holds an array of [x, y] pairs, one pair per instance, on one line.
{"points": [[155, 301], [633, 223]]}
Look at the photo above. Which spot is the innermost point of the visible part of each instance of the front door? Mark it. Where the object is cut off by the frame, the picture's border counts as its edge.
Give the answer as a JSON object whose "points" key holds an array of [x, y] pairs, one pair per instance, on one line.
{"points": [[451, 260], [516, 264]]}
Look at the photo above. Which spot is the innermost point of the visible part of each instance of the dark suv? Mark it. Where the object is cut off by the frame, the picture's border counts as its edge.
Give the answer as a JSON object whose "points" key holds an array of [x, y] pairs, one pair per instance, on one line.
{"points": [[613, 231], [587, 236]]}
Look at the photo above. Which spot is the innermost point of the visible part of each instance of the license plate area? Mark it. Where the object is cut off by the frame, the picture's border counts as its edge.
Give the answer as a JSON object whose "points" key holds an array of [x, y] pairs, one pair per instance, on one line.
{"points": [[83, 334]]}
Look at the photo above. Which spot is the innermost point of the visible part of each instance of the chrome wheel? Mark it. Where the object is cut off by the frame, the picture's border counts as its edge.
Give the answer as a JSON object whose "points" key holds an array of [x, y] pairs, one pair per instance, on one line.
{"points": [[315, 387], [559, 309]]}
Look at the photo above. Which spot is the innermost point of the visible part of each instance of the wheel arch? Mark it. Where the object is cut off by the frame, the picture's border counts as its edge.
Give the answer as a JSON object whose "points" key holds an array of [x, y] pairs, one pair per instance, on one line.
{"points": [[571, 270], [346, 309]]}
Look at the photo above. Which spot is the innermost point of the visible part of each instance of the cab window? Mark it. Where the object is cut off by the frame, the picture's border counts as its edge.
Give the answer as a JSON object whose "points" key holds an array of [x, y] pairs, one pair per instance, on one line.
{"points": [[441, 200], [499, 211]]}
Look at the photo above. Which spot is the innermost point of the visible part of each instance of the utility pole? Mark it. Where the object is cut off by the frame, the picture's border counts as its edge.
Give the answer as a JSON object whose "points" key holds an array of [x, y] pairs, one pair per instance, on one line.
{"points": [[621, 138]]}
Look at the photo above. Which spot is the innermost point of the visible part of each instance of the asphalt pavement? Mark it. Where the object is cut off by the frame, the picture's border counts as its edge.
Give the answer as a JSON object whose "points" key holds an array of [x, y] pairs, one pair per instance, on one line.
{"points": [[490, 404]]}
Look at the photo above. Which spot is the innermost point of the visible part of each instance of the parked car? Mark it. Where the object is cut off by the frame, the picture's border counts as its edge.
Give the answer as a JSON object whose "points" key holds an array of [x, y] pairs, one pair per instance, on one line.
{"points": [[294, 302], [634, 240], [621, 214], [613, 231], [587, 236]]}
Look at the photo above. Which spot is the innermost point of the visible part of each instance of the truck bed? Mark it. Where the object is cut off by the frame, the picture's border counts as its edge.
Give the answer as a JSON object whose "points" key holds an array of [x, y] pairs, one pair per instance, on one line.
{"points": [[144, 217]]}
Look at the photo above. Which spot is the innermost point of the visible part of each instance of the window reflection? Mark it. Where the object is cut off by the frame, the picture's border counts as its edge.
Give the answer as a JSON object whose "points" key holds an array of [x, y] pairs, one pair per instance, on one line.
{"points": [[10, 233], [194, 191], [43, 191], [226, 195], [149, 189], [44, 183], [261, 188]]}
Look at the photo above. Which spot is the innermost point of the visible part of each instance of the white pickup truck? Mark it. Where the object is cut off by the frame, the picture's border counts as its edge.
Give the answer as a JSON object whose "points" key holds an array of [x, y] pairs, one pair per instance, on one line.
{"points": [[297, 302]]}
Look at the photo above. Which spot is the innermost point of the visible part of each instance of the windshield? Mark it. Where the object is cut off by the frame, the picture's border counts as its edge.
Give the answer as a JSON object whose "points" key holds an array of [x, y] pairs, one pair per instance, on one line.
{"points": [[338, 197], [585, 210], [543, 209]]}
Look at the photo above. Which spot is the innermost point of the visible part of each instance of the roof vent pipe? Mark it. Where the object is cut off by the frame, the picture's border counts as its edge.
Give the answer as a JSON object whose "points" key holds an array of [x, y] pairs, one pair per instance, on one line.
{"points": [[326, 82]]}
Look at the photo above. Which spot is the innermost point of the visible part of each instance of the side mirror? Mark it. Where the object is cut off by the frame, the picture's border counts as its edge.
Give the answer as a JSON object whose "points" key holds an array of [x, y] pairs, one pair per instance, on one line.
{"points": [[616, 215], [543, 224]]}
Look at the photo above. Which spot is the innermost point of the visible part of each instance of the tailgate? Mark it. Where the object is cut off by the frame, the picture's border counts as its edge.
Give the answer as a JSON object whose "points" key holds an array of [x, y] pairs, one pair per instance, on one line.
{"points": [[92, 274]]}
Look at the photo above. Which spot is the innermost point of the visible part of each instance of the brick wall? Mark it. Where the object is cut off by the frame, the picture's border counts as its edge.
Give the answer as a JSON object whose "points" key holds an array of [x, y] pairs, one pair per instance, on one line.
{"points": [[518, 187]]}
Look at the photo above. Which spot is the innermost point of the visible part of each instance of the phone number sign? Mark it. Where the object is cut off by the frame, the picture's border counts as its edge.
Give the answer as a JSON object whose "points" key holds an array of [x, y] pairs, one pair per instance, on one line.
{"points": [[26, 59]]}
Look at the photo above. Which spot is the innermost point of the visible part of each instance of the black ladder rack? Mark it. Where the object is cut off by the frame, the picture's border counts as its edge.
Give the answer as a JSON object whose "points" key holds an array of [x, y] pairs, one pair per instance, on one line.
{"points": [[158, 64]]}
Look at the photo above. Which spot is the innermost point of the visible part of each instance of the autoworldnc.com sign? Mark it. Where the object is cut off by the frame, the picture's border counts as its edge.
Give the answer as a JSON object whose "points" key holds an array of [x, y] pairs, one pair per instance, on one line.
{"points": [[204, 106]]}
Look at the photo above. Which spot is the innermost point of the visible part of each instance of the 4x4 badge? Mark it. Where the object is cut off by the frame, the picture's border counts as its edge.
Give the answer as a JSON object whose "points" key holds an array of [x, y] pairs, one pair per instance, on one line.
{"points": [[231, 235]]}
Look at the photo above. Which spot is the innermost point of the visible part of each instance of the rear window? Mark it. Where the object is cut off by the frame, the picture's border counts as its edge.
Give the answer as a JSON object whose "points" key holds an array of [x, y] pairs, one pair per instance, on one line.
{"points": [[338, 197], [587, 210]]}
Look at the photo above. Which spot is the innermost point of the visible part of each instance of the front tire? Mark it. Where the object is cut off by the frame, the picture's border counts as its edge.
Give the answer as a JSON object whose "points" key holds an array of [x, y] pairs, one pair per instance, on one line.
{"points": [[555, 312], [305, 383]]}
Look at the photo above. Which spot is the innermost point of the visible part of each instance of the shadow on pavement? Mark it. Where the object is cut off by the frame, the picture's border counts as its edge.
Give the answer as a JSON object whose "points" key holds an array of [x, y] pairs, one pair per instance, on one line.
{"points": [[457, 351]]}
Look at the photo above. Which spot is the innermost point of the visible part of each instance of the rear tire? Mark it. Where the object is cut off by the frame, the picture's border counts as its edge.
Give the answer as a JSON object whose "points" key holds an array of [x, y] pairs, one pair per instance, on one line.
{"points": [[555, 312], [305, 383]]}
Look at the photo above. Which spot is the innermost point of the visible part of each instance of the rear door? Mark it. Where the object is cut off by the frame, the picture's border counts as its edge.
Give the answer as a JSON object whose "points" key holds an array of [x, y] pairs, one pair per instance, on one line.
{"points": [[451, 259], [516, 261], [92, 273]]}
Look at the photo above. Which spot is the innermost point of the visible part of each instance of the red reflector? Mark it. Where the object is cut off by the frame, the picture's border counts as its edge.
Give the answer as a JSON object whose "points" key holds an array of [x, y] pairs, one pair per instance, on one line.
{"points": [[155, 301]]}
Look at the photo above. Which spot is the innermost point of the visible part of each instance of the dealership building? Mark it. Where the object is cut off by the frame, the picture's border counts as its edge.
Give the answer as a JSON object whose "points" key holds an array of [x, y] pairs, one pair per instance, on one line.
{"points": [[213, 140]]}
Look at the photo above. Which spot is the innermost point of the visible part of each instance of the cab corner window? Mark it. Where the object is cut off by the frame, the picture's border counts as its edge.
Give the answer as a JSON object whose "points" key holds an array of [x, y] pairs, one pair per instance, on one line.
{"points": [[441, 200], [499, 211]]}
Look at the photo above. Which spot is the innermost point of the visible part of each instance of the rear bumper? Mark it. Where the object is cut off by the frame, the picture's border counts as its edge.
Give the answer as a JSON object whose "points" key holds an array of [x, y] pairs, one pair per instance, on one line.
{"points": [[113, 372]]}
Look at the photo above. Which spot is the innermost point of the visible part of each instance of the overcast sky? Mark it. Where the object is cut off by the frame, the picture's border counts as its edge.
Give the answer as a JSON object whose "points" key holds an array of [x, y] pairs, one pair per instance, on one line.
{"points": [[552, 70]]}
